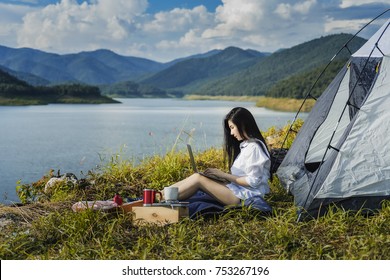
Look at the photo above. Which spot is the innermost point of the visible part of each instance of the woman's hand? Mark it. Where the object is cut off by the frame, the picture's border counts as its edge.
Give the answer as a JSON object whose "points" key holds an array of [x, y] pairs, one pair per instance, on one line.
{"points": [[215, 172], [228, 177]]}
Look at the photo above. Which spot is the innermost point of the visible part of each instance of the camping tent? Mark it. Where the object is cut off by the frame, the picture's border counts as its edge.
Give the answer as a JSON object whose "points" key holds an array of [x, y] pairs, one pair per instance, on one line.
{"points": [[341, 155]]}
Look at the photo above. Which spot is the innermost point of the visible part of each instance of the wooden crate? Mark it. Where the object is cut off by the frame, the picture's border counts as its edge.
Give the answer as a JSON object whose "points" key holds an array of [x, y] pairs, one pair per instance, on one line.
{"points": [[128, 207], [160, 215]]}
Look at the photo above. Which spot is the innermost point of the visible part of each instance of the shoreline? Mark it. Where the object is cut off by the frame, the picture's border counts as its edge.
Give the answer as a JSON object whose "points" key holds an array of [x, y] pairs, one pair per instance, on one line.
{"points": [[275, 104], [31, 102], [271, 103]]}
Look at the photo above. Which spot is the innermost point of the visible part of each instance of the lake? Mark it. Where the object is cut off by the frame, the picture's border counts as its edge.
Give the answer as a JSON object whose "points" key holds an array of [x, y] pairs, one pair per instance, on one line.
{"points": [[77, 138]]}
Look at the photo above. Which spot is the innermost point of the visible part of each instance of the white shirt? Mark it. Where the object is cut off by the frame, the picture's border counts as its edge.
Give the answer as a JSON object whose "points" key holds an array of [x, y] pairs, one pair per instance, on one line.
{"points": [[254, 164]]}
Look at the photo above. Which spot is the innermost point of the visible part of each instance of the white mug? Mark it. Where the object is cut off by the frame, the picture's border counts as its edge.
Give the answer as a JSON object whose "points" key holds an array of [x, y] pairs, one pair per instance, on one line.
{"points": [[171, 193]]}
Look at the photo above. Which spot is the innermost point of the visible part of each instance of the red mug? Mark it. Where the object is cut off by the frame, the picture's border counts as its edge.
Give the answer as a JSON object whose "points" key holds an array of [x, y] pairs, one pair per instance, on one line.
{"points": [[150, 196]]}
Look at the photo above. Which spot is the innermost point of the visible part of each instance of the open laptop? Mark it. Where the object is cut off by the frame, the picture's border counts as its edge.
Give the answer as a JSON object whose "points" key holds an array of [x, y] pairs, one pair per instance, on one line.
{"points": [[192, 159]]}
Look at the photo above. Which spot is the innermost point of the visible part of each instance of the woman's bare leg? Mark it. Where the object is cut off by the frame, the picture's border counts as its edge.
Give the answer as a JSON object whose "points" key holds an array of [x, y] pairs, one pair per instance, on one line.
{"points": [[189, 186]]}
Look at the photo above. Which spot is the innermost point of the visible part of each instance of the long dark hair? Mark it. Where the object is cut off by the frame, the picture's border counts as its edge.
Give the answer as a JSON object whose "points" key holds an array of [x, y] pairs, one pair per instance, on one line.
{"points": [[246, 126]]}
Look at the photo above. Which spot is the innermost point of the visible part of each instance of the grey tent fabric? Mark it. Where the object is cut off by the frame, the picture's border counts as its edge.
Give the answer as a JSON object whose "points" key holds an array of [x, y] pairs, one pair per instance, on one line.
{"points": [[383, 44], [341, 155], [324, 132], [362, 167]]}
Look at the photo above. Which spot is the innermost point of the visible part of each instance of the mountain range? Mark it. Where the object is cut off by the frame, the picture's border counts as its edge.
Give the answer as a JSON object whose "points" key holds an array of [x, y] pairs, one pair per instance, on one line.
{"points": [[94, 68], [231, 71]]}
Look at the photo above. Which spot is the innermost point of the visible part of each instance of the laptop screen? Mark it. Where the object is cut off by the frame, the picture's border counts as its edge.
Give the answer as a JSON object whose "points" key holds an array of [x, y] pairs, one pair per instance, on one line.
{"points": [[192, 159]]}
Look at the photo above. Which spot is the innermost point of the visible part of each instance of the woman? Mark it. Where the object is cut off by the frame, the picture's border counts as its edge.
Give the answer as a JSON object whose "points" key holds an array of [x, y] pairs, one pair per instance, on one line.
{"points": [[248, 158]]}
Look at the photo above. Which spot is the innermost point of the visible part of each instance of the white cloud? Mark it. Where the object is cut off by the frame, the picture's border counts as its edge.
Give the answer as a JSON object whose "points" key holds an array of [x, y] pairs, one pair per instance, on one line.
{"points": [[350, 3], [236, 15], [68, 26], [287, 10], [263, 24], [344, 26], [178, 20], [125, 27], [13, 13], [175, 32], [120, 8], [11, 19]]}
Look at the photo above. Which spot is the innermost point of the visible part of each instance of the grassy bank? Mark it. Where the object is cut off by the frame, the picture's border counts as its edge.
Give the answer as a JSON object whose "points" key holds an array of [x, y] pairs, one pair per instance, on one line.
{"points": [[67, 100], [222, 97], [47, 228], [19, 102], [276, 104], [285, 104]]}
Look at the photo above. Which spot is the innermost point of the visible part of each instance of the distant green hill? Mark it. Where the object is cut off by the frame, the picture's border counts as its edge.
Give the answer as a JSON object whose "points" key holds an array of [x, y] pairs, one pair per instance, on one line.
{"points": [[95, 67], [303, 58], [131, 90], [7, 79], [16, 92], [189, 74], [298, 86], [232, 71], [31, 79]]}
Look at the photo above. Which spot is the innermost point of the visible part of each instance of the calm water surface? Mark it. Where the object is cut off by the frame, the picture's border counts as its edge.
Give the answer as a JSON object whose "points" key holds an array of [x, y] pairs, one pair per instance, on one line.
{"points": [[76, 138]]}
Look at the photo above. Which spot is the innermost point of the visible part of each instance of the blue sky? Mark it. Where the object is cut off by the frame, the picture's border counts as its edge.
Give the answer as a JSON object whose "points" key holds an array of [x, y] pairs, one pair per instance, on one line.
{"points": [[166, 5], [154, 5], [163, 30]]}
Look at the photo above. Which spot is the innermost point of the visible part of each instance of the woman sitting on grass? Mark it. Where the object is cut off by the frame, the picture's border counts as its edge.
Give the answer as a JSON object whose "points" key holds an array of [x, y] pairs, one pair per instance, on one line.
{"points": [[248, 158]]}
